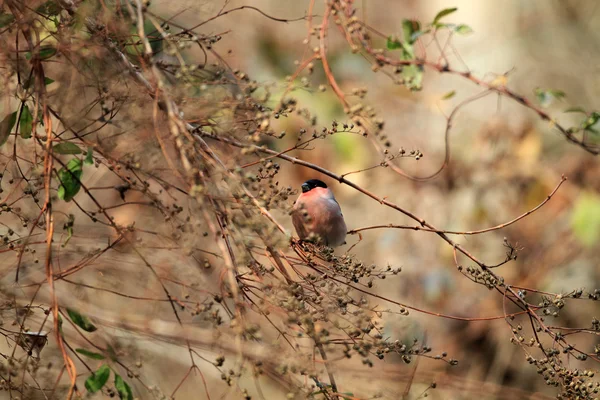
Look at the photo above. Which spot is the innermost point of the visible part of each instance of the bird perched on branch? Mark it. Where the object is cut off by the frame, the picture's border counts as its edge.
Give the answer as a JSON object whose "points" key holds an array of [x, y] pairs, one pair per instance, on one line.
{"points": [[317, 215]]}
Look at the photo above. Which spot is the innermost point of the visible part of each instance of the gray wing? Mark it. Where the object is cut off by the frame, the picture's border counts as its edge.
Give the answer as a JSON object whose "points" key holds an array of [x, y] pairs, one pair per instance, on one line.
{"points": [[338, 204], [299, 223]]}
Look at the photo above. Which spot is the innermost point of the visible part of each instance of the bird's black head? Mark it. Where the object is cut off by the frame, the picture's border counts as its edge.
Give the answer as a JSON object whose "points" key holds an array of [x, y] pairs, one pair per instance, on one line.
{"points": [[311, 184]]}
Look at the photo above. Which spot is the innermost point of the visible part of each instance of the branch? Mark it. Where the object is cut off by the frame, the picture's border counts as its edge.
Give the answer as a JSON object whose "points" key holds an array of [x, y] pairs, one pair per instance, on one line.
{"points": [[494, 228]]}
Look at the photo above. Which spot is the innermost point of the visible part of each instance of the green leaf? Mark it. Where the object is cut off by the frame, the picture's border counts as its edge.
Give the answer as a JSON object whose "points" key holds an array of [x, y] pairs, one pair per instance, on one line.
{"points": [[546, 97], [89, 157], [27, 84], [418, 34], [408, 52], [26, 123], [6, 126], [413, 77], [463, 29], [6, 19], [585, 221], [153, 36], [70, 180], [98, 379], [123, 388], [90, 354], [575, 110], [411, 29], [557, 94], [81, 320], [590, 121], [67, 148], [443, 13], [393, 44], [45, 53]]}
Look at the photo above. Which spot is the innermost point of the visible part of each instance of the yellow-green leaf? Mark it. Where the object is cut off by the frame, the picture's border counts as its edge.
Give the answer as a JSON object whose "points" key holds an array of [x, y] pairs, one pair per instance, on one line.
{"points": [[443, 13], [575, 110], [546, 96], [393, 44], [449, 95], [463, 29], [411, 29]]}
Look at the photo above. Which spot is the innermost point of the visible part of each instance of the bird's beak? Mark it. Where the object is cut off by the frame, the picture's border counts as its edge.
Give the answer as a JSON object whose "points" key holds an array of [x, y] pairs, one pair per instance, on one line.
{"points": [[305, 188]]}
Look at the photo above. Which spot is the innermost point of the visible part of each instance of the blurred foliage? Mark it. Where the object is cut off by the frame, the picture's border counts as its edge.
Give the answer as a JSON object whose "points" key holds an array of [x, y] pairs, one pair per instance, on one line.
{"points": [[586, 219]]}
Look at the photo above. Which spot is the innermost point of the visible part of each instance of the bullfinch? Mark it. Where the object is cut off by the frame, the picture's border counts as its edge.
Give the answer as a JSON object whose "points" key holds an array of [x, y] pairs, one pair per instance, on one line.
{"points": [[317, 215]]}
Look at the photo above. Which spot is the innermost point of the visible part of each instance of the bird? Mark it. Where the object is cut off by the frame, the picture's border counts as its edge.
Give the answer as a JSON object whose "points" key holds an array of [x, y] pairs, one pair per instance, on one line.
{"points": [[317, 215]]}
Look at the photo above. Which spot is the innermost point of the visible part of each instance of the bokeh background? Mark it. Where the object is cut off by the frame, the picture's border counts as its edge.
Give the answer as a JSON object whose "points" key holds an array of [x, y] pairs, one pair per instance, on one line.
{"points": [[504, 161]]}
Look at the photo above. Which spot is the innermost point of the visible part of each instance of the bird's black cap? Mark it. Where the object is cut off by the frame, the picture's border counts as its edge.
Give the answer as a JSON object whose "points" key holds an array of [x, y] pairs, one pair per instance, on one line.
{"points": [[311, 184]]}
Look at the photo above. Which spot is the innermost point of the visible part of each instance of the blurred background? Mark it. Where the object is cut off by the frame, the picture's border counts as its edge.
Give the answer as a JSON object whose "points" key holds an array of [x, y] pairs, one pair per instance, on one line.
{"points": [[504, 161]]}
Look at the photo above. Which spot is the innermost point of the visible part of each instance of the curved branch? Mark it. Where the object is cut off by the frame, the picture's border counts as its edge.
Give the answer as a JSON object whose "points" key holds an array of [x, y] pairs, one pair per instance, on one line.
{"points": [[477, 232]]}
